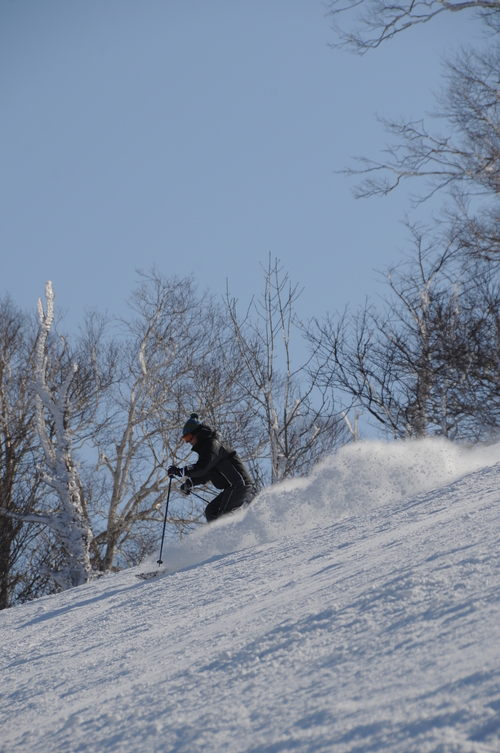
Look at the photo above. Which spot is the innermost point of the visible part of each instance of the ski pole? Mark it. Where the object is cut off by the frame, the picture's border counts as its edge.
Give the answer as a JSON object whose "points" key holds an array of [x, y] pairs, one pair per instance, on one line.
{"points": [[198, 495], [160, 561], [210, 491], [205, 491]]}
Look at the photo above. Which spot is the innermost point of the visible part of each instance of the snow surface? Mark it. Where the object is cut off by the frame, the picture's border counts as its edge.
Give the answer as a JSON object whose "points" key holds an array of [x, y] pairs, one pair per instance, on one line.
{"points": [[356, 610]]}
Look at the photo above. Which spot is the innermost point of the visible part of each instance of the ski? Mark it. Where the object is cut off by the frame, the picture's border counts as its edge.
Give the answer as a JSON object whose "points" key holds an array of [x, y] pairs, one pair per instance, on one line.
{"points": [[148, 576]]}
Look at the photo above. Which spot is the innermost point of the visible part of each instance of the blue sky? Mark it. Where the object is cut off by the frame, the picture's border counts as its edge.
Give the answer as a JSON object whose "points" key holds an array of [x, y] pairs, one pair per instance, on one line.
{"points": [[200, 137]]}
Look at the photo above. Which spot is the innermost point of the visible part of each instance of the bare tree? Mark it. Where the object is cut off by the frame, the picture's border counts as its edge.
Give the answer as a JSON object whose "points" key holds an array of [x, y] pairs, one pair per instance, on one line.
{"points": [[66, 385], [427, 363], [466, 161], [160, 349], [297, 424], [67, 517], [376, 21], [20, 487], [220, 388]]}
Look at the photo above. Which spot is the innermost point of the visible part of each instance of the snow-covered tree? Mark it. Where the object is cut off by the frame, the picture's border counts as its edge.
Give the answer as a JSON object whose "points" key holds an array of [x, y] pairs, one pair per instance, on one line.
{"points": [[63, 512], [69, 520]]}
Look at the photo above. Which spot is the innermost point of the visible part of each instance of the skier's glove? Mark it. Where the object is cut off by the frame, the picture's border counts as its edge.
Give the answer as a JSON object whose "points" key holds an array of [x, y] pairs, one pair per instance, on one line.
{"points": [[174, 471], [186, 486]]}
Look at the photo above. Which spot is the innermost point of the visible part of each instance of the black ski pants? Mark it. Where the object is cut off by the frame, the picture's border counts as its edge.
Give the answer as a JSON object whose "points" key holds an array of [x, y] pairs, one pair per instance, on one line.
{"points": [[227, 501]]}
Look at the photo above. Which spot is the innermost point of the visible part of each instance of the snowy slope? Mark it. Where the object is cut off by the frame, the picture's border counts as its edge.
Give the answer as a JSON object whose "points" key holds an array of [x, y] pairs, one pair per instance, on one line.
{"points": [[357, 610]]}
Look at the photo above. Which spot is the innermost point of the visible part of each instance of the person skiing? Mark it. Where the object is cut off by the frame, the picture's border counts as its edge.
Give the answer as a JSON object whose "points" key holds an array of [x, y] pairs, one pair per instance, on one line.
{"points": [[217, 464]]}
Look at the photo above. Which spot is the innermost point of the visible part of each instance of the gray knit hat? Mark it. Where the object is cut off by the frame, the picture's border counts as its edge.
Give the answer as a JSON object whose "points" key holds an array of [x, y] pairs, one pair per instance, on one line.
{"points": [[192, 425]]}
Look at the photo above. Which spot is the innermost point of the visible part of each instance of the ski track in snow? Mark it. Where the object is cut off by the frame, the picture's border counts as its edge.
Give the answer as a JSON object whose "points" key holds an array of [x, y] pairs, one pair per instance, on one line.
{"points": [[378, 632]]}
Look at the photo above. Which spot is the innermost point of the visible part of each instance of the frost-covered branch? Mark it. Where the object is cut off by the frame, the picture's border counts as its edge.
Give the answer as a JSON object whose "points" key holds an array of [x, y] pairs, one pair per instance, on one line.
{"points": [[53, 420], [43, 519]]}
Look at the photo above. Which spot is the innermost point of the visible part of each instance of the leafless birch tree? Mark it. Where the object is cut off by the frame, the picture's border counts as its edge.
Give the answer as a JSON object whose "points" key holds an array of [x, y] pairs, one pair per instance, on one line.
{"points": [[426, 360], [65, 407], [161, 347], [53, 420], [294, 412]]}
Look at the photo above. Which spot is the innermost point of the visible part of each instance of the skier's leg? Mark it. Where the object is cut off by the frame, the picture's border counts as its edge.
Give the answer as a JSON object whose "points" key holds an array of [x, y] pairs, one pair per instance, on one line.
{"points": [[226, 502], [235, 499], [212, 509]]}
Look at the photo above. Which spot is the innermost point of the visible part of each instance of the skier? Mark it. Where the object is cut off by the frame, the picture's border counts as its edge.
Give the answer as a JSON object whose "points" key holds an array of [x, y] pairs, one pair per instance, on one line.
{"points": [[217, 464]]}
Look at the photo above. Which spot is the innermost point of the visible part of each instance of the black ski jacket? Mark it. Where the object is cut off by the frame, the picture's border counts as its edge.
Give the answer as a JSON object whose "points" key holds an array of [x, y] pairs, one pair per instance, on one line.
{"points": [[216, 463]]}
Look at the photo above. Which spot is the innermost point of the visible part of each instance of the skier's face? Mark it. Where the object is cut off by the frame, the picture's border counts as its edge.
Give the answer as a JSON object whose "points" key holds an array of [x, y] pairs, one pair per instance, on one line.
{"points": [[191, 438]]}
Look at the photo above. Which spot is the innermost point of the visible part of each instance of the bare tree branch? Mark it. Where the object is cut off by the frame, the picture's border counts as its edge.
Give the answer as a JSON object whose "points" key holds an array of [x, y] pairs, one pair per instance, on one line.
{"points": [[376, 21], [295, 413]]}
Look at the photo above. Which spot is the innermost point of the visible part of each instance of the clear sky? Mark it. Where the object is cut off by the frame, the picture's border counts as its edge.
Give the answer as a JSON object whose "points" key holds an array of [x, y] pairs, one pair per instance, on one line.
{"points": [[198, 136]]}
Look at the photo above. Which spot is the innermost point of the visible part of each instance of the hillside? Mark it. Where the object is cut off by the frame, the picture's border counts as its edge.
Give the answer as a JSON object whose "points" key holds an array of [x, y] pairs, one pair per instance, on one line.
{"points": [[356, 610]]}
